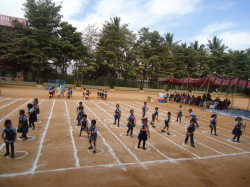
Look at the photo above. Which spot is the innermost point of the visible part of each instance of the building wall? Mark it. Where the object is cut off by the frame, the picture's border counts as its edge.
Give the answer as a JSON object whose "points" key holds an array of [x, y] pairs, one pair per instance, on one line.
{"points": [[6, 20]]}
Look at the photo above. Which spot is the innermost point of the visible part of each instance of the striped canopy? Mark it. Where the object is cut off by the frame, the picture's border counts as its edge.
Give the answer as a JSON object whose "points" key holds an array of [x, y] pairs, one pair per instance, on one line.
{"points": [[210, 79]]}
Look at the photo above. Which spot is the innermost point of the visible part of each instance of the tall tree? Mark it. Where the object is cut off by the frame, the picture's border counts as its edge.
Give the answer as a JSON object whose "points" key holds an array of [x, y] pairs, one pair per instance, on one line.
{"points": [[44, 18]]}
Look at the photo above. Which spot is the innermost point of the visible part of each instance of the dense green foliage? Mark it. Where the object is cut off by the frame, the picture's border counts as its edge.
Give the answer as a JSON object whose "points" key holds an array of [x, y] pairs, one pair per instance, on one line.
{"points": [[47, 43]]}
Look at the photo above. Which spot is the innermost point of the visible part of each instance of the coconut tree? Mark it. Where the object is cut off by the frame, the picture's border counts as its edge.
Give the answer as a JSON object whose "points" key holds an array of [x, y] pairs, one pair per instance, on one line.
{"points": [[195, 46], [215, 45]]}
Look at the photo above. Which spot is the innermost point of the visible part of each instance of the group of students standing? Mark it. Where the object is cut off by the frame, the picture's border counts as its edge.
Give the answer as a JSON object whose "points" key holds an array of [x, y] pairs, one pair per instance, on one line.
{"points": [[59, 91], [9, 133]]}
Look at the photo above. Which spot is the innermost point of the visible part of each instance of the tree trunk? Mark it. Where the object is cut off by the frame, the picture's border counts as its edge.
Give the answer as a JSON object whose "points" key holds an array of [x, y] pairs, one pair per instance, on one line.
{"points": [[39, 78], [107, 77]]}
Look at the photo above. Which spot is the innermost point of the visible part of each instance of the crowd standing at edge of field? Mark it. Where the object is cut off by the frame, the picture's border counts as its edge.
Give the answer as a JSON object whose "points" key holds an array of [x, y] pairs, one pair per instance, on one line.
{"points": [[9, 133]]}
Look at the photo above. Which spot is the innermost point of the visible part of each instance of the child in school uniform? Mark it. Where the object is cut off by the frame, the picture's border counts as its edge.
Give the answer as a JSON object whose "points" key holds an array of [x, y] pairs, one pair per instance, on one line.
{"points": [[105, 95], [192, 116], [84, 125], [23, 124], [51, 93], [78, 109], [190, 132], [144, 109], [31, 115], [131, 123], [36, 108], [179, 114], [237, 129], [71, 92], [167, 121], [98, 93], [93, 135], [80, 115], [154, 115], [83, 92], [213, 123], [118, 114], [143, 136], [87, 94], [9, 138], [68, 93]]}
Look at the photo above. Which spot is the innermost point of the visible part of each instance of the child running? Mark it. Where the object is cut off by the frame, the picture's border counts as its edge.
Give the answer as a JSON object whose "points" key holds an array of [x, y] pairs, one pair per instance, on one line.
{"points": [[78, 108], [71, 92], [51, 93], [237, 129], [83, 92], [68, 93], [167, 121], [144, 109], [131, 123], [93, 135], [9, 138], [36, 108], [118, 114], [105, 95], [84, 125], [213, 123], [190, 132], [154, 115], [192, 116], [31, 116], [179, 114], [23, 125], [80, 115], [143, 136]]}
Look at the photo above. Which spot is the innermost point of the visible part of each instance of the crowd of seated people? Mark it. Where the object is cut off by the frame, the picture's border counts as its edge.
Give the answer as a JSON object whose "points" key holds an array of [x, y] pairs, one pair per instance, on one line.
{"points": [[199, 100]]}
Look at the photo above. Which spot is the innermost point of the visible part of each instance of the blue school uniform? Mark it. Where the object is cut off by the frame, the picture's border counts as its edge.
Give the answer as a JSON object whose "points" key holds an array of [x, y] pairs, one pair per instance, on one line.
{"points": [[155, 113], [80, 116], [143, 134], [191, 128], [131, 121], [32, 117], [167, 121], [180, 113], [93, 130], [117, 113], [36, 106], [193, 117], [10, 134], [212, 123], [237, 131], [144, 109], [84, 125], [25, 127]]}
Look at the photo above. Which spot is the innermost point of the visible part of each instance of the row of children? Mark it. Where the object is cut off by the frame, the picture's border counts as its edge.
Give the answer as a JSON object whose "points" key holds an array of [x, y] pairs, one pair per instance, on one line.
{"points": [[9, 133], [102, 94], [84, 126], [86, 93], [59, 92]]}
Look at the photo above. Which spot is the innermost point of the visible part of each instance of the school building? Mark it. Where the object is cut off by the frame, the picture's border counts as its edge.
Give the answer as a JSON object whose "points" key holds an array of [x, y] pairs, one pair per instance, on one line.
{"points": [[7, 72]]}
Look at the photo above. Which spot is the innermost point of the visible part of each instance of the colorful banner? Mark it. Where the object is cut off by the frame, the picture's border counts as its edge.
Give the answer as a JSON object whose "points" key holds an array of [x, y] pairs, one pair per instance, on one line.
{"points": [[211, 80]]}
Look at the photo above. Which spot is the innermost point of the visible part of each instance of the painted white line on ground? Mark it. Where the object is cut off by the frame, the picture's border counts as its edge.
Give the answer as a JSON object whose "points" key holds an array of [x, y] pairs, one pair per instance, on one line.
{"points": [[25, 154], [9, 103], [116, 136], [147, 141], [33, 169], [15, 110], [72, 138], [4, 100], [210, 137], [104, 141], [170, 139], [120, 165]]}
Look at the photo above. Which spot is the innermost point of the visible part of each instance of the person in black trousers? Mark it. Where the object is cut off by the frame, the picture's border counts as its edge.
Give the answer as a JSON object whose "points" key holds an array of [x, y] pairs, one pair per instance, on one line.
{"points": [[143, 135]]}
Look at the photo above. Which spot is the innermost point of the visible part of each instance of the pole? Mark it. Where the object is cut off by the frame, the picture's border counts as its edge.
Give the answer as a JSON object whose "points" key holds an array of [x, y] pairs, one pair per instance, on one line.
{"points": [[233, 99], [207, 92], [248, 104]]}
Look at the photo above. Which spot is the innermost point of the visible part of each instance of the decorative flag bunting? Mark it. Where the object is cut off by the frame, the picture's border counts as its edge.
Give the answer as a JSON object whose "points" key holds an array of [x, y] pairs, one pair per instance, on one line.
{"points": [[205, 80]]}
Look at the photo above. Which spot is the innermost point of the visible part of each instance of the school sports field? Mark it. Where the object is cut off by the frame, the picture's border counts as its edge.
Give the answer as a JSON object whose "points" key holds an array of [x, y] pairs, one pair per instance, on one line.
{"points": [[56, 156]]}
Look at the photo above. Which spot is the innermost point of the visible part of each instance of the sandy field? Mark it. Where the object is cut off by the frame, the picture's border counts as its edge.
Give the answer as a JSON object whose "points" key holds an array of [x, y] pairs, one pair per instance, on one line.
{"points": [[55, 156]]}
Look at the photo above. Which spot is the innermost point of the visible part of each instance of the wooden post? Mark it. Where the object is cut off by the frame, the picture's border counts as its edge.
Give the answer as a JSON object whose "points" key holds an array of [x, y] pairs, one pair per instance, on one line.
{"points": [[248, 104], [233, 99], [207, 91]]}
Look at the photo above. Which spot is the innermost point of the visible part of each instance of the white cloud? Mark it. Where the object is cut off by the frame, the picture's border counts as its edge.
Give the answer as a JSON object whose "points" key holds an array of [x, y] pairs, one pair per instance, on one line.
{"points": [[12, 8], [234, 39]]}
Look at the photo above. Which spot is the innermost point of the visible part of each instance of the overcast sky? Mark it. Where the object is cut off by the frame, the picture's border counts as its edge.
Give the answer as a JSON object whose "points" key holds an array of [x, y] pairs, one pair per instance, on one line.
{"points": [[188, 20]]}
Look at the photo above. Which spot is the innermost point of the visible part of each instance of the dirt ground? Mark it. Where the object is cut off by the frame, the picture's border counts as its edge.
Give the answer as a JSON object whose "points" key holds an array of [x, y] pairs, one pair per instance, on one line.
{"points": [[56, 156]]}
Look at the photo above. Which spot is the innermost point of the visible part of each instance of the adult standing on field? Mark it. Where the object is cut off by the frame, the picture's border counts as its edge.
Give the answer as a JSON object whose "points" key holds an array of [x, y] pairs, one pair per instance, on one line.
{"points": [[58, 91]]}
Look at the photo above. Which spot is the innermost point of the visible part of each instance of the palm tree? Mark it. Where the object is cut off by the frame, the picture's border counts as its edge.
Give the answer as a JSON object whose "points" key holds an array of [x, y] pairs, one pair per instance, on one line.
{"points": [[195, 46], [216, 45]]}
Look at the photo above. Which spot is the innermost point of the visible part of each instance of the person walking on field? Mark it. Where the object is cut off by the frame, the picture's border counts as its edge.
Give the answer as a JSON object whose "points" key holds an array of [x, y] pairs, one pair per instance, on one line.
{"points": [[58, 91]]}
